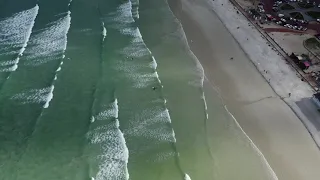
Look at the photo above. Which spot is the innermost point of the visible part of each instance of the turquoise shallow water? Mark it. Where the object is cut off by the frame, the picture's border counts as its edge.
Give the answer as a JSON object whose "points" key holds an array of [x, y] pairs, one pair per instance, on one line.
{"points": [[104, 90]]}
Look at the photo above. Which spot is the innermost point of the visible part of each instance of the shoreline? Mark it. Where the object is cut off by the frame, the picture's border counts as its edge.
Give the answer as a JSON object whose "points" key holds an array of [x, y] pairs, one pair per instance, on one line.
{"points": [[261, 132], [304, 120], [291, 102]]}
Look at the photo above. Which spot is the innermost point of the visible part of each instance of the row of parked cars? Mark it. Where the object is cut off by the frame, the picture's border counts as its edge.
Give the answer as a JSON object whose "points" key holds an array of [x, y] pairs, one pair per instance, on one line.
{"points": [[286, 22], [277, 3]]}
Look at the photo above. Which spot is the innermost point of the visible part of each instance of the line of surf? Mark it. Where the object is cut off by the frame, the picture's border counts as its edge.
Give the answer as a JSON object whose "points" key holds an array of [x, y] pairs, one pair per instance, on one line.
{"points": [[125, 24], [136, 34], [49, 44], [104, 32], [114, 160], [44, 95], [68, 24], [16, 31], [138, 38], [135, 9], [115, 155], [104, 35]]}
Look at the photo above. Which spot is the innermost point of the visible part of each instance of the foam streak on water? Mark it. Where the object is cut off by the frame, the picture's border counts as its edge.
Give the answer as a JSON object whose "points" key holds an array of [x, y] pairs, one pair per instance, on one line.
{"points": [[146, 121], [138, 49], [121, 17], [35, 96], [15, 31], [135, 9], [67, 24], [112, 110], [123, 20], [104, 32], [50, 43], [187, 177], [115, 155]]}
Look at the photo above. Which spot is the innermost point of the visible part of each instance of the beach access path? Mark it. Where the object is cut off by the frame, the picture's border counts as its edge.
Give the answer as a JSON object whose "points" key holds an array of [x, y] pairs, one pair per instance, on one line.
{"points": [[255, 81]]}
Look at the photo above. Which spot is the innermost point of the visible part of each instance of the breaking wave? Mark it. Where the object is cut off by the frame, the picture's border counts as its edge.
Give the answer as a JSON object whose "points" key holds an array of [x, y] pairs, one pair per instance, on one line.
{"points": [[114, 159], [15, 32], [49, 43]]}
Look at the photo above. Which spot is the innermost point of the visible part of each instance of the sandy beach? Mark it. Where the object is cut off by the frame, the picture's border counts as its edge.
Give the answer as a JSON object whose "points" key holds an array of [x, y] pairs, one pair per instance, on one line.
{"points": [[233, 64]]}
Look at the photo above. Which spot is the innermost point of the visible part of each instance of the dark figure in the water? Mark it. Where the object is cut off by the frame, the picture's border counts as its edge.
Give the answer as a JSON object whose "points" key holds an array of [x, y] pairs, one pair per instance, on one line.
{"points": [[154, 88]]}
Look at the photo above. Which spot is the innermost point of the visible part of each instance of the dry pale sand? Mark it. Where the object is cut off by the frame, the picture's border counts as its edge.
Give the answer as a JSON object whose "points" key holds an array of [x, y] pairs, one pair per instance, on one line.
{"points": [[268, 121], [291, 42]]}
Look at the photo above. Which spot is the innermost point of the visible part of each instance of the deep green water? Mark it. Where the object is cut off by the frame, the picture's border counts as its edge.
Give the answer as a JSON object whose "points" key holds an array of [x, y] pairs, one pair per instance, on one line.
{"points": [[82, 102]]}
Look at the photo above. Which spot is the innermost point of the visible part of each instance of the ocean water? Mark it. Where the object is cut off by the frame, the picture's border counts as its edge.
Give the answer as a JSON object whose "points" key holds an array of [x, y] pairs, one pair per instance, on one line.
{"points": [[109, 90]]}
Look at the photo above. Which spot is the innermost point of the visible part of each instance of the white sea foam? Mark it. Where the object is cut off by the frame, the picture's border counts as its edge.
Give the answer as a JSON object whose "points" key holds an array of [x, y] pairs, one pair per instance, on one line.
{"points": [[135, 8], [49, 97], [8, 69], [138, 49], [104, 31], [6, 51], [187, 177], [204, 101], [163, 156], [152, 123], [50, 43], [135, 50], [112, 111], [154, 64], [122, 17], [92, 119], [9, 66], [115, 155], [70, 2], [34, 95], [8, 63], [16, 31], [134, 71]]}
